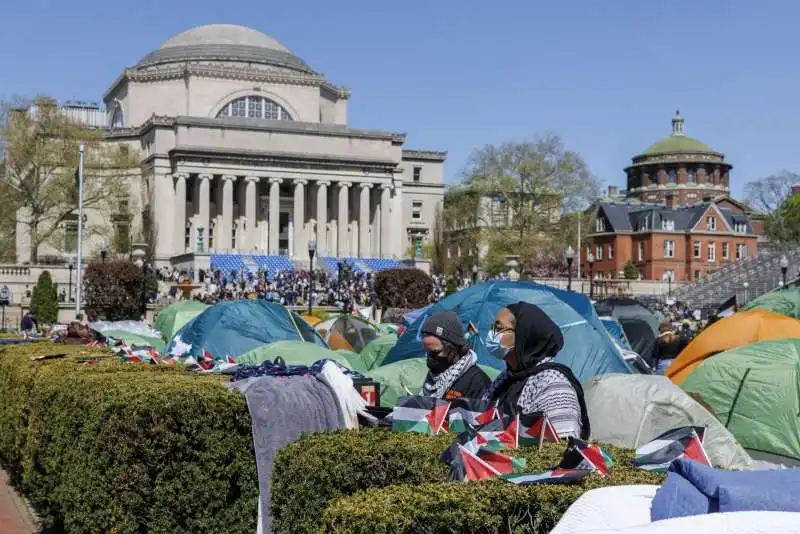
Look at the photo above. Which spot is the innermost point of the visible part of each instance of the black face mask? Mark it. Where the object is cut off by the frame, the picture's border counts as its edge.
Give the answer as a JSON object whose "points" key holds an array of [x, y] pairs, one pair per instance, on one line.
{"points": [[437, 364]]}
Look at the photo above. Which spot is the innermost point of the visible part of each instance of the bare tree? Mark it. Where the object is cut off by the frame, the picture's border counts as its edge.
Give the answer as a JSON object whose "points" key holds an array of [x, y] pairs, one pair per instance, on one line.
{"points": [[767, 194], [41, 160]]}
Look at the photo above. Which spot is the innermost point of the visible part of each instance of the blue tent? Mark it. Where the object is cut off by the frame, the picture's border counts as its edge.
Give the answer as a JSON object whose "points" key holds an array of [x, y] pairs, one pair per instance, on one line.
{"points": [[413, 315], [615, 330], [588, 350], [235, 327]]}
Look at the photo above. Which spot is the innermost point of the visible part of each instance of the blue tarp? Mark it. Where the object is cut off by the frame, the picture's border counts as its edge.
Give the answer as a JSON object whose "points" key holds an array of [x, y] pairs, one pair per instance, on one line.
{"points": [[588, 350], [615, 330], [235, 327], [692, 488], [14, 341]]}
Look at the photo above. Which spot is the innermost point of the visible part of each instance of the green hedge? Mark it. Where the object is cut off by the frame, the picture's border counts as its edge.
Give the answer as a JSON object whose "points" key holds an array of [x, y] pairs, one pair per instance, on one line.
{"points": [[117, 447], [406, 488]]}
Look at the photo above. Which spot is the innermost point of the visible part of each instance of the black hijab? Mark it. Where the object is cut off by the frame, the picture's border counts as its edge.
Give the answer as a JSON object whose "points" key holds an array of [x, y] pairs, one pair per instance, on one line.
{"points": [[537, 338]]}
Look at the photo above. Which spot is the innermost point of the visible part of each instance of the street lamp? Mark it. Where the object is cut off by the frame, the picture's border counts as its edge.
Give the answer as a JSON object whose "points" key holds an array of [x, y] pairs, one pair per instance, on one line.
{"points": [[570, 254], [71, 266], [103, 250], [312, 248], [784, 269], [746, 296], [139, 262], [590, 261], [669, 284], [474, 274]]}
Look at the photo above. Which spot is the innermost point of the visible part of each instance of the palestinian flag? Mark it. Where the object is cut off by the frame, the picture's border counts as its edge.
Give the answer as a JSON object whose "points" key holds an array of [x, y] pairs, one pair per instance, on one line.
{"points": [[470, 412], [500, 433], [556, 476], [535, 429], [419, 414], [684, 442], [501, 463], [469, 462], [206, 361], [582, 455], [469, 466]]}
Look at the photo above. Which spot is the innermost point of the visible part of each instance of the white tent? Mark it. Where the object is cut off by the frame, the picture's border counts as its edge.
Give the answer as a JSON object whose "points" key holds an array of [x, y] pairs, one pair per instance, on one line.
{"points": [[630, 410]]}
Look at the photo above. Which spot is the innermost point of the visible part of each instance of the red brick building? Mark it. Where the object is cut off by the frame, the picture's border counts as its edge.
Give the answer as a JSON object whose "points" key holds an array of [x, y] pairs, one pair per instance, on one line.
{"points": [[681, 223]]}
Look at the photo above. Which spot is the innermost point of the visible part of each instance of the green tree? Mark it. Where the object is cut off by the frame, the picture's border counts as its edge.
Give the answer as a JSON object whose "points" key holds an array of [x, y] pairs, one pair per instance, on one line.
{"points": [[630, 271], [41, 161], [783, 224], [521, 190], [113, 291], [45, 299]]}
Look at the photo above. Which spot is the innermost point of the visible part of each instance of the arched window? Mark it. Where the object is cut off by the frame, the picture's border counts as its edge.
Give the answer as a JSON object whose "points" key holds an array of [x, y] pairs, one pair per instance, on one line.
{"points": [[255, 107], [691, 176], [671, 177], [117, 119]]}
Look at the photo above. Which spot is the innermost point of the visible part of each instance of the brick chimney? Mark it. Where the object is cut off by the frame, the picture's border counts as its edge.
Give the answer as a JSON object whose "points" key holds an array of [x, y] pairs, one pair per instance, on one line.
{"points": [[795, 189], [671, 199], [613, 191]]}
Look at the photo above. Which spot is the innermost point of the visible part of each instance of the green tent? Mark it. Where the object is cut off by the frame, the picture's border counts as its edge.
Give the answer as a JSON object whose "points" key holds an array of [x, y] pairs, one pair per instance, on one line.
{"points": [[356, 362], [405, 377], [173, 317], [754, 391], [293, 353], [784, 301], [138, 340], [376, 350]]}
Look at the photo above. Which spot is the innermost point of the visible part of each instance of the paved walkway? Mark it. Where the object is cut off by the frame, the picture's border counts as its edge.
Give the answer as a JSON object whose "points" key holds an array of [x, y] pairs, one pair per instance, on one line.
{"points": [[14, 515]]}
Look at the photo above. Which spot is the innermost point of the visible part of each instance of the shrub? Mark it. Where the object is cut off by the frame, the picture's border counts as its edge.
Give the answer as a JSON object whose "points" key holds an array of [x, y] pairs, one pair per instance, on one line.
{"points": [[45, 299], [329, 470], [113, 291], [116, 447], [630, 271], [450, 287], [403, 288]]}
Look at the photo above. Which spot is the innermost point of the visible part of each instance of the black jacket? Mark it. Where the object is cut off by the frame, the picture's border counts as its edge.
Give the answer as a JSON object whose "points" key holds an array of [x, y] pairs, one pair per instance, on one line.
{"points": [[471, 385]]}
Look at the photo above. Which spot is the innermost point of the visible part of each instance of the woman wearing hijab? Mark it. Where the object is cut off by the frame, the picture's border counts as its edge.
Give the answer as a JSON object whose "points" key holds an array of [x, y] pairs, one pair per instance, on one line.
{"points": [[528, 340]]}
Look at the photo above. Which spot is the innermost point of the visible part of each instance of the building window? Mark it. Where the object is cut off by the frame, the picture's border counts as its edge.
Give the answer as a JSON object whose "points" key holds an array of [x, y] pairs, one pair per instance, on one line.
{"points": [[643, 225], [671, 177], [740, 228], [712, 251], [117, 118], [598, 252], [701, 173], [725, 251], [255, 107], [696, 275], [417, 174], [71, 237], [416, 210], [611, 251], [697, 252], [122, 236], [211, 235], [711, 224], [691, 177], [187, 237], [741, 251], [641, 250], [667, 224], [669, 274], [669, 248], [600, 224]]}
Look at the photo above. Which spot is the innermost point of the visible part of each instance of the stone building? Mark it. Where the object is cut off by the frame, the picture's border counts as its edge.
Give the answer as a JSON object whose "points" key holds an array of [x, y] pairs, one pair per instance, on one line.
{"points": [[247, 150]]}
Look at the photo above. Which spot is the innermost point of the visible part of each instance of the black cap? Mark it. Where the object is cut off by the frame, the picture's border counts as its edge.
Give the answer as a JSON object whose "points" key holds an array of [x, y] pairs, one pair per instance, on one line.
{"points": [[446, 326]]}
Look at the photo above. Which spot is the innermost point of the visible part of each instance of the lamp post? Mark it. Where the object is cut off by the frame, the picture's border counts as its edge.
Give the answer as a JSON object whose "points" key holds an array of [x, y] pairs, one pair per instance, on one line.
{"points": [[69, 292], [339, 283], [669, 284], [784, 269], [590, 261], [746, 295], [474, 274], [103, 250], [570, 254], [312, 248], [140, 263]]}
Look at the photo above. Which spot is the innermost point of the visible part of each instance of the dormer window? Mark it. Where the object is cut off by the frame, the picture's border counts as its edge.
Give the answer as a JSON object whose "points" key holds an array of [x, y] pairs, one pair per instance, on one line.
{"points": [[668, 225], [600, 224], [117, 118]]}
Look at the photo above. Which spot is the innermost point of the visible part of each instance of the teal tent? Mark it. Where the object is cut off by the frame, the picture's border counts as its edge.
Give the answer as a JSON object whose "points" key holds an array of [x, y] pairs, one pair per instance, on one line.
{"points": [[588, 350], [615, 330], [235, 327], [293, 353], [170, 319]]}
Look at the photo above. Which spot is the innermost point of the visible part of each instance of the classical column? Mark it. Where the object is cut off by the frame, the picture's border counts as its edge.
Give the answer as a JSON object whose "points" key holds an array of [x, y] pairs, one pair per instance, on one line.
{"points": [[299, 217], [250, 238], [226, 232], [387, 241], [398, 216], [322, 217], [274, 214], [179, 230], [363, 221], [343, 219], [203, 207]]}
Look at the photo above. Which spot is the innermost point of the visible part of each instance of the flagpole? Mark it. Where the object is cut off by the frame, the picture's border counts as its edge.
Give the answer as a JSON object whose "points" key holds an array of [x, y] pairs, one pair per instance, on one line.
{"points": [[79, 262]]}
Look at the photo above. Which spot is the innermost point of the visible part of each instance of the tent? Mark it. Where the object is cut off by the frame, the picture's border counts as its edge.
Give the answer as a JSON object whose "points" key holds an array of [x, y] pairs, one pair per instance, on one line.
{"points": [[620, 307], [135, 340], [588, 350], [630, 410], [235, 327], [134, 327], [347, 332], [755, 392], [410, 317], [615, 330], [642, 338], [293, 353], [170, 319], [783, 301], [405, 378], [377, 349], [734, 331]]}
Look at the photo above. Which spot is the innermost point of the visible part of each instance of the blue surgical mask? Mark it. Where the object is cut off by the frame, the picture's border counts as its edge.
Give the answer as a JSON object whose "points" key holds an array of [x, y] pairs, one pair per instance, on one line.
{"points": [[492, 343]]}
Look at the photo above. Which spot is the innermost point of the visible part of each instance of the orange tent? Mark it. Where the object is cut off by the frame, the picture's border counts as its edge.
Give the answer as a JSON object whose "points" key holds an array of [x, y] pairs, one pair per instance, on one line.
{"points": [[739, 329]]}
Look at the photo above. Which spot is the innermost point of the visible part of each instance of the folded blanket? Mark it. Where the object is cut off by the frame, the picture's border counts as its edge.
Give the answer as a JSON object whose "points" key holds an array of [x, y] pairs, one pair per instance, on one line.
{"points": [[694, 489]]}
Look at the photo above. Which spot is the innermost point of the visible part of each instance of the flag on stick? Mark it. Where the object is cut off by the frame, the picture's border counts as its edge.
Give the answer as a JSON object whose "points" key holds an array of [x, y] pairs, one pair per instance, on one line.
{"points": [[419, 414]]}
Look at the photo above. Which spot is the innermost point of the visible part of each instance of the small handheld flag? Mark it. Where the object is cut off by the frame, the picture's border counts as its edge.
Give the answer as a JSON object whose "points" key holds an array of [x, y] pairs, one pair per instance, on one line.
{"points": [[535, 429], [582, 455], [470, 412], [684, 442], [555, 476], [419, 414]]}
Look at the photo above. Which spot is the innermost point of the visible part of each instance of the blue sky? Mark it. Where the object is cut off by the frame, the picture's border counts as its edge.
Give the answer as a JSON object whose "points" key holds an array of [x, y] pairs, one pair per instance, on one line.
{"points": [[458, 74]]}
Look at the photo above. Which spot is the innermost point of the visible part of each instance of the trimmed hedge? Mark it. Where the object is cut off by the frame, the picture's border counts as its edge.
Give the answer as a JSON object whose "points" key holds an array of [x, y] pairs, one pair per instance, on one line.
{"points": [[406, 488], [117, 447]]}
